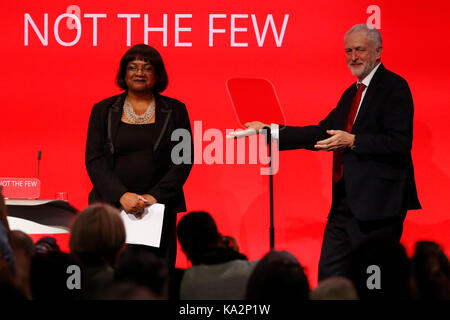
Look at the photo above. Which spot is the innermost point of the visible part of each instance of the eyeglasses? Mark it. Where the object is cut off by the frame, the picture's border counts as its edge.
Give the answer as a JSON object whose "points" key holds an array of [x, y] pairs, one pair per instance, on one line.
{"points": [[145, 70]]}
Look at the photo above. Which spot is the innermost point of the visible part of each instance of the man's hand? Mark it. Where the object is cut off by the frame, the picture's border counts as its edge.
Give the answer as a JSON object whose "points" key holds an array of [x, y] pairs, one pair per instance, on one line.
{"points": [[149, 199], [256, 125], [339, 140], [132, 202]]}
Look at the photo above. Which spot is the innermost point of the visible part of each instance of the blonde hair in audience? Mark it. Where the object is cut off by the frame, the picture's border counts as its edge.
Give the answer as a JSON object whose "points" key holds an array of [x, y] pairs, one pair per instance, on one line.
{"points": [[98, 232]]}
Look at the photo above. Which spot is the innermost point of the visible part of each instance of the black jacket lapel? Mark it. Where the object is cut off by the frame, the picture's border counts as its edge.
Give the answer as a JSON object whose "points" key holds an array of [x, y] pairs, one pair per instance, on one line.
{"points": [[114, 117], [163, 114]]}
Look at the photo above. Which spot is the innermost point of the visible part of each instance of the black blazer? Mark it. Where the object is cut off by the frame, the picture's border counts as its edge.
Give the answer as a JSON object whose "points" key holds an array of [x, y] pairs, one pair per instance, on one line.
{"points": [[171, 114], [378, 172]]}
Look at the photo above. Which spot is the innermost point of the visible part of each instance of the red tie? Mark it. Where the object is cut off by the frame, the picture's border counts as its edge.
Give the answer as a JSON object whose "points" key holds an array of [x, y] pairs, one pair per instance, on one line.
{"points": [[338, 155]]}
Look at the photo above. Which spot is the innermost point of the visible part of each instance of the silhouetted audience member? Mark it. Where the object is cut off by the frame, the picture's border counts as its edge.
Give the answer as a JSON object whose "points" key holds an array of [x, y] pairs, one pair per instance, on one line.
{"points": [[380, 269], [278, 276], [23, 242], [8, 288], [219, 271], [143, 269], [431, 270], [9, 292], [6, 245], [46, 244], [334, 288], [24, 251], [49, 277], [129, 291], [97, 238], [8, 270]]}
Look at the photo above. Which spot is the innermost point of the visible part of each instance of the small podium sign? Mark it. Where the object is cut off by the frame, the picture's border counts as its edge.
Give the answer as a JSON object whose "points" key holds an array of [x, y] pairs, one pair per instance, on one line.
{"points": [[21, 188]]}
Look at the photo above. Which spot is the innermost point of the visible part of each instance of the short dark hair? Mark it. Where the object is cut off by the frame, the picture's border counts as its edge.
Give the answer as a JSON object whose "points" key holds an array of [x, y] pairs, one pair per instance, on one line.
{"points": [[148, 54], [385, 252], [278, 276], [48, 277], [197, 231], [139, 266], [431, 271]]}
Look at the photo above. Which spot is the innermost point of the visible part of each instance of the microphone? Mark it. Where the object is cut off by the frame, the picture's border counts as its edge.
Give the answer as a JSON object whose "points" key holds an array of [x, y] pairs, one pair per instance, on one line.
{"points": [[39, 162]]}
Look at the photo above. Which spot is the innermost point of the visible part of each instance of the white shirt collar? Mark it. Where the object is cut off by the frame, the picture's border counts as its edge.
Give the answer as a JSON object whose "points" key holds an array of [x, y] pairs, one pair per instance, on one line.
{"points": [[368, 78]]}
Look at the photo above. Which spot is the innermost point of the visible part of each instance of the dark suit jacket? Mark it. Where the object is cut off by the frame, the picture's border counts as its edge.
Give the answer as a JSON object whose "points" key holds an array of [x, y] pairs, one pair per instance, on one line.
{"points": [[171, 114], [378, 172]]}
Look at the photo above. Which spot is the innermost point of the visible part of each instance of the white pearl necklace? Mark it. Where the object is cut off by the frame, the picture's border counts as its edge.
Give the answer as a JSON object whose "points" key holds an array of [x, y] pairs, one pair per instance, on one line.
{"points": [[134, 118]]}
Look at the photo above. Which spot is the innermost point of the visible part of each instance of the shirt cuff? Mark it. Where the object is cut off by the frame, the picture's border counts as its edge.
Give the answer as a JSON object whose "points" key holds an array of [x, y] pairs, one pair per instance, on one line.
{"points": [[274, 131]]}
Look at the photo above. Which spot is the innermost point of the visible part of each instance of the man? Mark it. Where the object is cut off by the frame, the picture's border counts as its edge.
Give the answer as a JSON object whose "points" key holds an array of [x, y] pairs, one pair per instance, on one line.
{"points": [[370, 133], [218, 272]]}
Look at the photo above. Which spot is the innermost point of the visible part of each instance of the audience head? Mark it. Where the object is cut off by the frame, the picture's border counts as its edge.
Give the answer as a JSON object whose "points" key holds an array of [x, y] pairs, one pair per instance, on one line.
{"points": [[335, 288], [143, 269], [380, 269], [98, 235], [4, 214], [197, 233], [6, 241], [7, 275], [278, 276], [46, 244], [431, 269], [24, 251], [23, 243]]}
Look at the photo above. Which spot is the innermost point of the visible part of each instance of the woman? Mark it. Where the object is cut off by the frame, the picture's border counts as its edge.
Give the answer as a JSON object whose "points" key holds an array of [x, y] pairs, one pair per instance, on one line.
{"points": [[96, 239], [128, 149]]}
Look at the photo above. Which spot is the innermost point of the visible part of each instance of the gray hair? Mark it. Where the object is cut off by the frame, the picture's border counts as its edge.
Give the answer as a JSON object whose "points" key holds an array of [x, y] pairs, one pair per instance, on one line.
{"points": [[372, 33]]}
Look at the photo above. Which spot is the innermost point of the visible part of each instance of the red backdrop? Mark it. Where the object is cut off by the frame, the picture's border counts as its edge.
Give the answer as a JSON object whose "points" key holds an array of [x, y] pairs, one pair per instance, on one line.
{"points": [[48, 92]]}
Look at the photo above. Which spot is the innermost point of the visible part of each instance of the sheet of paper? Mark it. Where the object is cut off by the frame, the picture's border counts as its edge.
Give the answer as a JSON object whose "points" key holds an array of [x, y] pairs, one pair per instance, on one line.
{"points": [[146, 229]]}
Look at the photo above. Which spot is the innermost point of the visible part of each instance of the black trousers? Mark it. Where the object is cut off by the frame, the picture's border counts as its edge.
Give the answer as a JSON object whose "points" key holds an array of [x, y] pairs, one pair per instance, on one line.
{"points": [[344, 233]]}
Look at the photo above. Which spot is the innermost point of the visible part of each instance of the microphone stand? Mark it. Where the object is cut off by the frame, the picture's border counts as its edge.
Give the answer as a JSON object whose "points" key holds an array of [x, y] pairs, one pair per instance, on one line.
{"points": [[38, 163], [272, 228]]}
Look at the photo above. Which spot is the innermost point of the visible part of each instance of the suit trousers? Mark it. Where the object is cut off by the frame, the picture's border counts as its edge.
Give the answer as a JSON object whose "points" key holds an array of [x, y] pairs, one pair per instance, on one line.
{"points": [[344, 233]]}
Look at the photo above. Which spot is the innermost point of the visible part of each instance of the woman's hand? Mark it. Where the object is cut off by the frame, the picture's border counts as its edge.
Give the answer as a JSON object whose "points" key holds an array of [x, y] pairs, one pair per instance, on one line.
{"points": [[132, 202], [149, 199]]}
